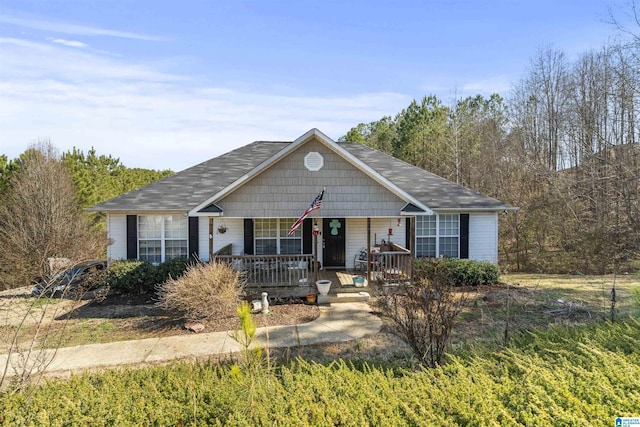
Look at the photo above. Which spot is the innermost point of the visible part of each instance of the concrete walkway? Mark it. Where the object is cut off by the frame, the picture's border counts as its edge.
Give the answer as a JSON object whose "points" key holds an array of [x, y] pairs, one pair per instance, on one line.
{"points": [[337, 323]]}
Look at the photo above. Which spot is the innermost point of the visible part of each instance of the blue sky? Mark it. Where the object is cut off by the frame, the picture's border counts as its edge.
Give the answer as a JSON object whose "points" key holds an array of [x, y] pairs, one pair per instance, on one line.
{"points": [[167, 84]]}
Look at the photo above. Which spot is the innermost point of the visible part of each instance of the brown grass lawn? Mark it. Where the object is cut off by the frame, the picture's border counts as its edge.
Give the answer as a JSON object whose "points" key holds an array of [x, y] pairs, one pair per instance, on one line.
{"points": [[529, 301]]}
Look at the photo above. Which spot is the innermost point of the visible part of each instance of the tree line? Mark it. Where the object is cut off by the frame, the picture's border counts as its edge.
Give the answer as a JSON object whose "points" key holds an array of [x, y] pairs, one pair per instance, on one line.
{"points": [[564, 148], [42, 196]]}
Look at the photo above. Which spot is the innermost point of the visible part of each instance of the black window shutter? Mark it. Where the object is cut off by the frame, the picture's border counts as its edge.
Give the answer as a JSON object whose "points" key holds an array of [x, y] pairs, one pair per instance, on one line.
{"points": [[248, 236], [307, 236], [464, 236], [407, 236], [193, 237], [132, 237]]}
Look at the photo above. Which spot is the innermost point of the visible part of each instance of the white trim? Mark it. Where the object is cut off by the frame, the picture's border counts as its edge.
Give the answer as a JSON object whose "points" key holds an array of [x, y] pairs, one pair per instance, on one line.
{"points": [[333, 146], [471, 210]]}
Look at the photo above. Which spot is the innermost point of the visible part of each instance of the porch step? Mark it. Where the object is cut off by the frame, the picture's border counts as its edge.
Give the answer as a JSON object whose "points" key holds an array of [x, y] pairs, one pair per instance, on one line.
{"points": [[344, 297]]}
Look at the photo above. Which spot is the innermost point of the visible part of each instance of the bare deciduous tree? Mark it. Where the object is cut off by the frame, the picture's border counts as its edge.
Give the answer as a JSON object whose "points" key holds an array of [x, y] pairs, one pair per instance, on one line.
{"points": [[41, 219]]}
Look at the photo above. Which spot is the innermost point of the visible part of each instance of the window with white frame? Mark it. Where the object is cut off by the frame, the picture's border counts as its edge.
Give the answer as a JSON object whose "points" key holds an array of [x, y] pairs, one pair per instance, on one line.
{"points": [[272, 236], [449, 235], [162, 237], [438, 235], [426, 236]]}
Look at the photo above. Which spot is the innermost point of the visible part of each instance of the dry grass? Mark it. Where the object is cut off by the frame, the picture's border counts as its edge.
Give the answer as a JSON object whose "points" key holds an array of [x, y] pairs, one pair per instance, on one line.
{"points": [[203, 287], [530, 301]]}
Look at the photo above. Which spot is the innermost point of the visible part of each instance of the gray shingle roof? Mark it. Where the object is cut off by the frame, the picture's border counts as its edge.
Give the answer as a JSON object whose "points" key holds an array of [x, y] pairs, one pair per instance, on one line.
{"points": [[432, 190], [191, 187]]}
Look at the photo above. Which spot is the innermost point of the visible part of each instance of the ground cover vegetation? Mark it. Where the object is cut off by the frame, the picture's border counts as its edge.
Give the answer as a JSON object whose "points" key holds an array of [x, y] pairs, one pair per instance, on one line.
{"points": [[587, 375]]}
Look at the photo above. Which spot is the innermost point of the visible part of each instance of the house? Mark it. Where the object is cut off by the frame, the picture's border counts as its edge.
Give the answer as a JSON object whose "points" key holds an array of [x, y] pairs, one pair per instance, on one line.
{"points": [[246, 201]]}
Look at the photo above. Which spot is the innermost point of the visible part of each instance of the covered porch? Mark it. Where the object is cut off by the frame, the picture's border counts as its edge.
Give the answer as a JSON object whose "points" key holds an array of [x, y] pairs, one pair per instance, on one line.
{"points": [[295, 275]]}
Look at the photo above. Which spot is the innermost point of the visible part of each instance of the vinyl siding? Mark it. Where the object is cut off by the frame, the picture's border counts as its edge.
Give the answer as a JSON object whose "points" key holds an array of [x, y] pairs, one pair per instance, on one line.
{"points": [[380, 228], [117, 231], [203, 238], [357, 234], [286, 189], [233, 235], [483, 237], [356, 239]]}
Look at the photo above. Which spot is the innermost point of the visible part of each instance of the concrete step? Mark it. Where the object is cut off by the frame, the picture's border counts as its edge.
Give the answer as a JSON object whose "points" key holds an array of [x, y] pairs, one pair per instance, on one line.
{"points": [[340, 297]]}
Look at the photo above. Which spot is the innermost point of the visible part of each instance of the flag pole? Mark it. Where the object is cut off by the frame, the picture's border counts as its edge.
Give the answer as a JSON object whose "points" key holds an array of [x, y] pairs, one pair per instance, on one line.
{"points": [[316, 231]]}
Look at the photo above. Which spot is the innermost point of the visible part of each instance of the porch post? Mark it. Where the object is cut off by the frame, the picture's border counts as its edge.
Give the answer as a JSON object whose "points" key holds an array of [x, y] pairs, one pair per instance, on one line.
{"points": [[368, 251], [412, 244], [210, 238], [315, 251]]}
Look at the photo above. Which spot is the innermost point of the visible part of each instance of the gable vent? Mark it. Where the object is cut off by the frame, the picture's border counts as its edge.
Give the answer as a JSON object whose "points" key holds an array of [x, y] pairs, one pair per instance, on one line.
{"points": [[313, 161]]}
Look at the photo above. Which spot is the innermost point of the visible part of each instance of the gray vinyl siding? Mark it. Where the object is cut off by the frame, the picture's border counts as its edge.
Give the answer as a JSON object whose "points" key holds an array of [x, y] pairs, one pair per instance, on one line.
{"points": [[286, 189]]}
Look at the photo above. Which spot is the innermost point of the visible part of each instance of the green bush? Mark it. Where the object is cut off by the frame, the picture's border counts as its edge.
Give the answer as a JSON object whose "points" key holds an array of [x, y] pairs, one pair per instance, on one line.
{"points": [[458, 272], [173, 268], [585, 376], [133, 276]]}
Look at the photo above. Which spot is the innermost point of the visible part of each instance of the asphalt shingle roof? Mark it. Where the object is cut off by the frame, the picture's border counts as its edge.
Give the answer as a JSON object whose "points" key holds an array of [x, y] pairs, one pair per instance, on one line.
{"points": [[190, 187], [432, 190]]}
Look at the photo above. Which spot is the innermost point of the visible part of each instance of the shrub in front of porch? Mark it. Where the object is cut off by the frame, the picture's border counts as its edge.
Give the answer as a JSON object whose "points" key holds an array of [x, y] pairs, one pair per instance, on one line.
{"points": [[139, 277], [457, 272], [204, 291], [424, 313]]}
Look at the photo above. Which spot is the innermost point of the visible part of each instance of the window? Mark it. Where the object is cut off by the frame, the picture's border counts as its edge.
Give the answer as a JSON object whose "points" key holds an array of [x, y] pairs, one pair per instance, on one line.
{"points": [[426, 236], [438, 235], [449, 235], [272, 237], [162, 237]]}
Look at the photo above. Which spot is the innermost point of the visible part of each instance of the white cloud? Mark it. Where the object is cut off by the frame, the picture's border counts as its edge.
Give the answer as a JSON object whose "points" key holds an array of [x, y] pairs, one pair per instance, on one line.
{"points": [[152, 118], [70, 43], [496, 84], [67, 28]]}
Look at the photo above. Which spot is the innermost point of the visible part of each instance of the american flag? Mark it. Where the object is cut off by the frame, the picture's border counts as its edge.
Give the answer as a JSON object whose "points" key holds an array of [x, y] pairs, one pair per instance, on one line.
{"points": [[314, 205]]}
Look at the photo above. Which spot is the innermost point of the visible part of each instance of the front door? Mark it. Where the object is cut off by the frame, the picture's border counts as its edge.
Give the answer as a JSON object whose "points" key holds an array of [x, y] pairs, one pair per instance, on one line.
{"points": [[333, 236]]}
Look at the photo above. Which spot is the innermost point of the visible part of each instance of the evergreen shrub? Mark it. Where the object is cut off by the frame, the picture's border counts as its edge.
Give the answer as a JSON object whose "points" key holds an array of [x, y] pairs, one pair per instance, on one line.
{"points": [[457, 272], [139, 277]]}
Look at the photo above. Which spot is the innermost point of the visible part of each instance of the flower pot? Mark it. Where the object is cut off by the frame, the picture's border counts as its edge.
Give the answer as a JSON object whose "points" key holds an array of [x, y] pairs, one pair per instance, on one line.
{"points": [[311, 298], [323, 286], [358, 281]]}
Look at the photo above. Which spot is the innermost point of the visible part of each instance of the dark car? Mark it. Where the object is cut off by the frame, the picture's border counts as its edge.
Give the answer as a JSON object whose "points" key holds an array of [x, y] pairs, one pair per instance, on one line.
{"points": [[80, 277]]}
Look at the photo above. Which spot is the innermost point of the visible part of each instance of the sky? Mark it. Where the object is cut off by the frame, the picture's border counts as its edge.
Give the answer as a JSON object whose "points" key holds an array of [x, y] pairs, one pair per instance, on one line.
{"points": [[169, 84]]}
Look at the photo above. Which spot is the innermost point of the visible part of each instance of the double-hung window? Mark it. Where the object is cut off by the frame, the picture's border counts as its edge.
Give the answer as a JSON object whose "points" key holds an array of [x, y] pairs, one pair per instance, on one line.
{"points": [[449, 235], [272, 237], [162, 237], [438, 235], [426, 236]]}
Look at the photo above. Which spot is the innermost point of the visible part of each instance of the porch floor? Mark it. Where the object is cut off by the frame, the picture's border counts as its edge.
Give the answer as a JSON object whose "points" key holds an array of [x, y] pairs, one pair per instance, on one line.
{"points": [[341, 283]]}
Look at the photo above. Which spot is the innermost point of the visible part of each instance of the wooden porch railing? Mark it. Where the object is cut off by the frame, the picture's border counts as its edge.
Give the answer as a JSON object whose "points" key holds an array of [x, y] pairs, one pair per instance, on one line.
{"points": [[391, 266], [271, 270]]}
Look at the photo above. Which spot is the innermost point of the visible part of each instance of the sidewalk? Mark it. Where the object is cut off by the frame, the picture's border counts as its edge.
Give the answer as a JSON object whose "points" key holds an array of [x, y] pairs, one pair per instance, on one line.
{"points": [[337, 323]]}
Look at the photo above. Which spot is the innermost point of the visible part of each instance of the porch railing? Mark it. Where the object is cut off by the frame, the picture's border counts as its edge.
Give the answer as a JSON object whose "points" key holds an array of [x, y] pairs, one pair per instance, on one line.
{"points": [[271, 270], [391, 266]]}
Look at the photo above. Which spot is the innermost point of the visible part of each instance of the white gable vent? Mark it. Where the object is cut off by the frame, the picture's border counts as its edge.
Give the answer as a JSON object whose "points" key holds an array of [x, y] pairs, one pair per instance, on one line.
{"points": [[313, 161]]}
